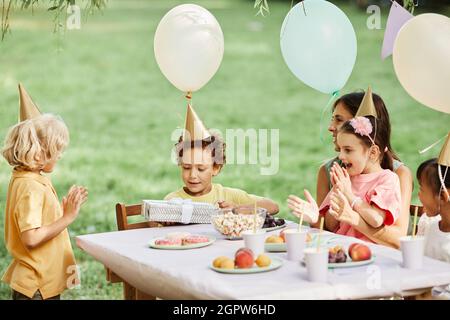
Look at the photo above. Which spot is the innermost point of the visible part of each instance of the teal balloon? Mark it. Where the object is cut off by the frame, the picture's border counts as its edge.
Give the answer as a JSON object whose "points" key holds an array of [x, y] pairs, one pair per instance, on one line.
{"points": [[319, 47]]}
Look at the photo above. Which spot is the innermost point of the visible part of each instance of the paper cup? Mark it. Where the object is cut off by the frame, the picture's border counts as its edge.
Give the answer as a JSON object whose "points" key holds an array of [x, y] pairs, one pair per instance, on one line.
{"points": [[295, 244], [412, 251], [316, 264], [254, 241]]}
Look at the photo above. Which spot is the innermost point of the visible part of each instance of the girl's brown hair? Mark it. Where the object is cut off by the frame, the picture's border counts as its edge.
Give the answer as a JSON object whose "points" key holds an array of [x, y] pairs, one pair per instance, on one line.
{"points": [[428, 173], [31, 143], [380, 135], [351, 102]]}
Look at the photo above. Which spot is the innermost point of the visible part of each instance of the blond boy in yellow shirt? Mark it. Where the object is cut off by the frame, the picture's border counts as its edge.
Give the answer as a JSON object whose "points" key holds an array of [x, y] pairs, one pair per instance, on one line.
{"points": [[36, 236]]}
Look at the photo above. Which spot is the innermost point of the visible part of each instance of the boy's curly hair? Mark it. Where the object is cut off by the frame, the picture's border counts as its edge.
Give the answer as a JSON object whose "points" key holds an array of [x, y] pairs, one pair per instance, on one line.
{"points": [[214, 143]]}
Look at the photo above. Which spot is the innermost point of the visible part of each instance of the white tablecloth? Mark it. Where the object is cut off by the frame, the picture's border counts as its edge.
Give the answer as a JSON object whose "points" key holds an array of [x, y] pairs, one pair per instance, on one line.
{"points": [[185, 274]]}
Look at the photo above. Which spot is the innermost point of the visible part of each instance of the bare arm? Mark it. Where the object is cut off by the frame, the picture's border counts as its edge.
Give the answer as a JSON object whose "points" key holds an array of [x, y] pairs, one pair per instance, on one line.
{"points": [[322, 189], [331, 223], [71, 207], [269, 205], [372, 215], [35, 237], [389, 235]]}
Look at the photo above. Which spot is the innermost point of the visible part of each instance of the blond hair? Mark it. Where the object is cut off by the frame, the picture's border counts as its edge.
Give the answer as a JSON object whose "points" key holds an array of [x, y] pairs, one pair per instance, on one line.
{"points": [[31, 143]]}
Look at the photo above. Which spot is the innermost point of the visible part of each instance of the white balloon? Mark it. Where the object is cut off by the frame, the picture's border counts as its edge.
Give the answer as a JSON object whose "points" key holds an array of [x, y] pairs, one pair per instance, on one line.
{"points": [[188, 46], [421, 59]]}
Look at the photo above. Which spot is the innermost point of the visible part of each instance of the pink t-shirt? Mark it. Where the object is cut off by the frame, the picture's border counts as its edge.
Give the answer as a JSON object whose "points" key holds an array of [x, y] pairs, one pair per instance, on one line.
{"points": [[381, 189]]}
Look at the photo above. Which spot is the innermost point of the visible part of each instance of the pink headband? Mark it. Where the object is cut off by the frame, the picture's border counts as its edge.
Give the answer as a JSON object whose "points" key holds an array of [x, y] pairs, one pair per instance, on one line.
{"points": [[363, 127]]}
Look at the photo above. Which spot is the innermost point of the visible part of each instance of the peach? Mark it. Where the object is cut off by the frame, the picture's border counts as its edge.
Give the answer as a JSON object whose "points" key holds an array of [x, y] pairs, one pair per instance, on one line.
{"points": [[274, 239], [263, 261], [351, 248], [243, 259], [217, 261], [227, 263], [359, 252], [282, 236], [245, 250]]}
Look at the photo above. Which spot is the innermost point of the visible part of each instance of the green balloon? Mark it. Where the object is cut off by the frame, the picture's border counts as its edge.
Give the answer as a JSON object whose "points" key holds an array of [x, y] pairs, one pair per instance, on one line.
{"points": [[318, 44]]}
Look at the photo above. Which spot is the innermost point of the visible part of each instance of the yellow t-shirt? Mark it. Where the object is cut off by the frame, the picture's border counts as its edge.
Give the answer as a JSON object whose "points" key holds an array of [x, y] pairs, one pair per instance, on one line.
{"points": [[217, 193], [50, 268]]}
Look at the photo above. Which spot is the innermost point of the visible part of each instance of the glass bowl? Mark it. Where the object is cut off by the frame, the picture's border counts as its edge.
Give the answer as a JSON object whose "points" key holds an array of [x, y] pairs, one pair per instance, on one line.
{"points": [[231, 223]]}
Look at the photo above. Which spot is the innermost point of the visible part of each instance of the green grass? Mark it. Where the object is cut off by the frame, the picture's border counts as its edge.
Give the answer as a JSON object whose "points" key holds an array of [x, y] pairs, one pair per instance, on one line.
{"points": [[104, 81]]}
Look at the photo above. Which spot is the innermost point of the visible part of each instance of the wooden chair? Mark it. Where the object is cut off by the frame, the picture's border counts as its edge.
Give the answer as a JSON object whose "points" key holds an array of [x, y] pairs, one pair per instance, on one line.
{"points": [[412, 209], [122, 214]]}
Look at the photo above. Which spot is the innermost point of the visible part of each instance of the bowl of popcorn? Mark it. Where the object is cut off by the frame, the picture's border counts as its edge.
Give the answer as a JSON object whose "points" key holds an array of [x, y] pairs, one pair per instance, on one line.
{"points": [[231, 223]]}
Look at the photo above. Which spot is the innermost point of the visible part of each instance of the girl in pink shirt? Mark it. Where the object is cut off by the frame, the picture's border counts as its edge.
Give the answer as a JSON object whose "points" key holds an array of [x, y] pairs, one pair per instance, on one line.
{"points": [[365, 184]]}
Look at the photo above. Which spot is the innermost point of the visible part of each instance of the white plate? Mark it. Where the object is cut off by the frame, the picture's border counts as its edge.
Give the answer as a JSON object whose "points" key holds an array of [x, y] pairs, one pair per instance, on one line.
{"points": [[281, 247], [180, 247], [349, 263], [275, 228], [238, 237], [276, 263], [275, 247]]}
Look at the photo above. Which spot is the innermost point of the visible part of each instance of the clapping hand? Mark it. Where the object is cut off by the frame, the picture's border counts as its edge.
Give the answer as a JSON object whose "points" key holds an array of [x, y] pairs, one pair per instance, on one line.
{"points": [[341, 180], [309, 208], [73, 201], [340, 209]]}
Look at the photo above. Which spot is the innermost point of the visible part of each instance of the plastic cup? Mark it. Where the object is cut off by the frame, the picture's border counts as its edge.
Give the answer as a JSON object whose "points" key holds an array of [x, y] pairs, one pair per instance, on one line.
{"points": [[295, 244], [412, 251], [316, 264], [254, 241]]}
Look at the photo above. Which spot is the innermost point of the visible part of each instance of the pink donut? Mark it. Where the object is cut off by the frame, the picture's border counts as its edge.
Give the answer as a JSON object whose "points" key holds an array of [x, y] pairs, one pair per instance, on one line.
{"points": [[168, 242], [195, 239]]}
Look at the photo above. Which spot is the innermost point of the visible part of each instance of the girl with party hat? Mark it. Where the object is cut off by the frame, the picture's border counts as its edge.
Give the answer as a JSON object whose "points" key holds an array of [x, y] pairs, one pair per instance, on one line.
{"points": [[434, 194], [372, 105], [36, 236], [201, 156]]}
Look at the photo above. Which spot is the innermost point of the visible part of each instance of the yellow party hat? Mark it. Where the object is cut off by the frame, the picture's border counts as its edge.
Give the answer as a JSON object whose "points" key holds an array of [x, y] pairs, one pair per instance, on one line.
{"points": [[367, 107], [28, 108], [444, 156], [194, 128]]}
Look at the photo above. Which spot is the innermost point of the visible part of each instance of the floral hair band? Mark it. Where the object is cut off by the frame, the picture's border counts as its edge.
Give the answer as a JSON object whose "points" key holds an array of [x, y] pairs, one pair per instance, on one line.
{"points": [[363, 127]]}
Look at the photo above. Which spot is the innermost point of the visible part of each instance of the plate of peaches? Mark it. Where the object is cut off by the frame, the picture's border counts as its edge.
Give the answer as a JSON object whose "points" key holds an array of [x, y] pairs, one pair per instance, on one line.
{"points": [[277, 243], [181, 241], [358, 255], [244, 262]]}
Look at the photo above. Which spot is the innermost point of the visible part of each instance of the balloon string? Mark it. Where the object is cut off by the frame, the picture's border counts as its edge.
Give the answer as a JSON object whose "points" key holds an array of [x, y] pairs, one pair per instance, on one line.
{"points": [[333, 96], [431, 146]]}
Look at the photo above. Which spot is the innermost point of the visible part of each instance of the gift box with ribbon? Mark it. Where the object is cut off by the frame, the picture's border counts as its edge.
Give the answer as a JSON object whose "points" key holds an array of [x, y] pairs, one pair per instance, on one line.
{"points": [[178, 210]]}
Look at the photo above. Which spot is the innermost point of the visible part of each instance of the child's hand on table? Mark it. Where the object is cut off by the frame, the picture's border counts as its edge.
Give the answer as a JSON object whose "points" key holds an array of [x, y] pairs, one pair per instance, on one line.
{"points": [[225, 205]]}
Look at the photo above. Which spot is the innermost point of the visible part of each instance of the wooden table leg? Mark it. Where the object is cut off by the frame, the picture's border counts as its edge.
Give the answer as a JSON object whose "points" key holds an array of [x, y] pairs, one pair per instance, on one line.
{"points": [[129, 292]]}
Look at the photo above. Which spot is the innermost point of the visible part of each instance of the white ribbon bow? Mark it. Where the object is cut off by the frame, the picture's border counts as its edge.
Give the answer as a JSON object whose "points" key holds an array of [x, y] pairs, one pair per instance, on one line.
{"points": [[187, 208]]}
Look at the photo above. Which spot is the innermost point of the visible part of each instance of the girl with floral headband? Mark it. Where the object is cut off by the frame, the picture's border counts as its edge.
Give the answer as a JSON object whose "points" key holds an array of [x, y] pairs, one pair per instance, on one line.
{"points": [[365, 184]]}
